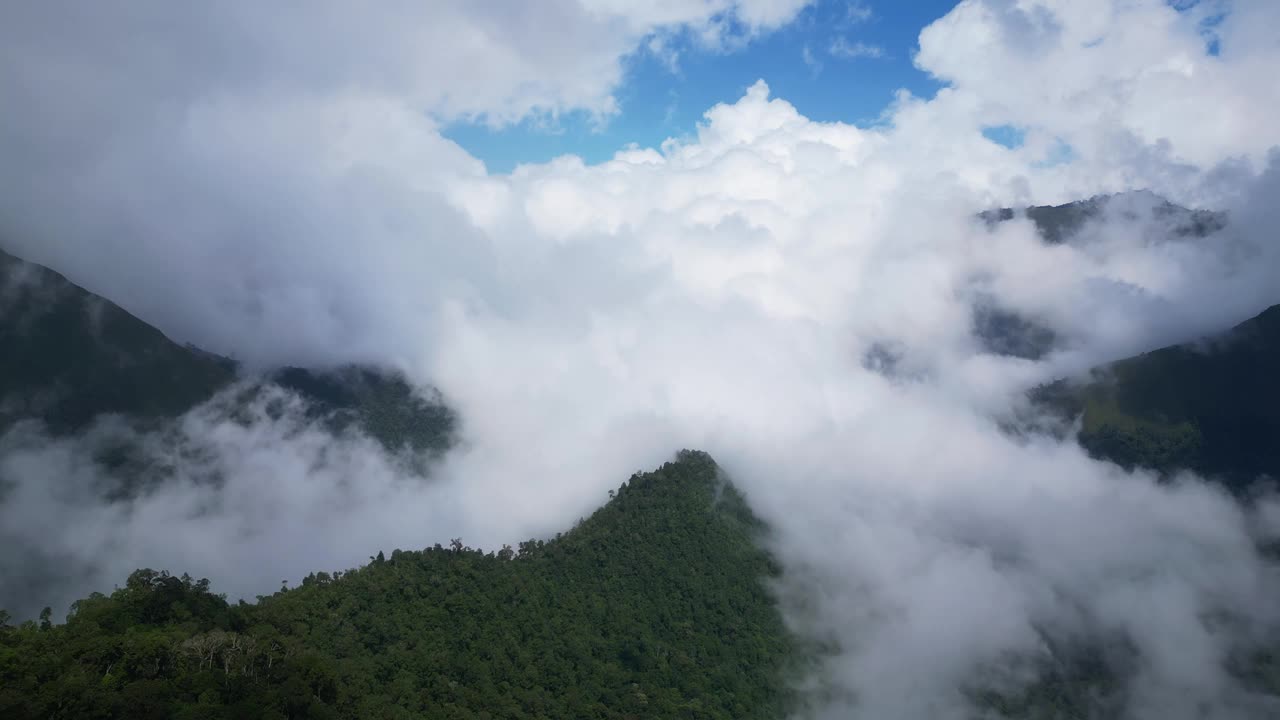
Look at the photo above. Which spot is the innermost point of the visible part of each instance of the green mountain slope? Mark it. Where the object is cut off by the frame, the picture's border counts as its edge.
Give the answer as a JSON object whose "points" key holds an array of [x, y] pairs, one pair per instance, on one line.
{"points": [[71, 357], [382, 404], [655, 606], [1213, 407]]}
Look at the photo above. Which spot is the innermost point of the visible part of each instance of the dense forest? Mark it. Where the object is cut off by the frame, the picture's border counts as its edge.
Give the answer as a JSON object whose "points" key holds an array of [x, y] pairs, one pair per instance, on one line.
{"points": [[1211, 406], [655, 606], [72, 357]]}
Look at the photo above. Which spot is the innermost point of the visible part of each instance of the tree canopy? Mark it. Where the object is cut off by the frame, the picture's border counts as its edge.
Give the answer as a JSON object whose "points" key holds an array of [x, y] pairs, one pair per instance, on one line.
{"points": [[655, 606]]}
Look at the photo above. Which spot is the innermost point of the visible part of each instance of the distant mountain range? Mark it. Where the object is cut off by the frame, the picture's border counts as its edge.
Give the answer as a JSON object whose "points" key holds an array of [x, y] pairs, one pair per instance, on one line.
{"points": [[655, 606], [1004, 332], [1058, 223], [72, 357]]}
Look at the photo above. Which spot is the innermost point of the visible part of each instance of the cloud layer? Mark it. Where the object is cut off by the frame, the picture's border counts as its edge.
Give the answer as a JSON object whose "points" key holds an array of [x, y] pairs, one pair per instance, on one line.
{"points": [[274, 187]]}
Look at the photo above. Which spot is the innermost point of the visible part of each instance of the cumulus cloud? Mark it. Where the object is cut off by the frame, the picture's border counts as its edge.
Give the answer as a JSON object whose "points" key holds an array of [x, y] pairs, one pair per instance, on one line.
{"points": [[253, 118], [279, 191], [1132, 82]]}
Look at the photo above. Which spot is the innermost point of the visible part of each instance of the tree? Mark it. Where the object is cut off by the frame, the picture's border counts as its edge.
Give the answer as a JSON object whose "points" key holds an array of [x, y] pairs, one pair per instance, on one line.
{"points": [[653, 606]]}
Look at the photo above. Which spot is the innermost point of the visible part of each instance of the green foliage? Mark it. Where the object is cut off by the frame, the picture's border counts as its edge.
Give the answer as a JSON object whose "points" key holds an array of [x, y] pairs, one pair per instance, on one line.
{"points": [[71, 356], [655, 606], [1212, 407], [382, 404]]}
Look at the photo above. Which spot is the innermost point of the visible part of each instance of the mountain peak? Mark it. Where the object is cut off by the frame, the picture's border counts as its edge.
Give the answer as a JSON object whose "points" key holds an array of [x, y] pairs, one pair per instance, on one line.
{"points": [[1059, 223]]}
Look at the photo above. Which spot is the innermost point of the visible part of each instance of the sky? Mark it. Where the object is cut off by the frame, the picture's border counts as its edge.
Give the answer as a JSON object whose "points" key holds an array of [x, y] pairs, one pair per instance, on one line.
{"points": [[293, 188], [836, 60]]}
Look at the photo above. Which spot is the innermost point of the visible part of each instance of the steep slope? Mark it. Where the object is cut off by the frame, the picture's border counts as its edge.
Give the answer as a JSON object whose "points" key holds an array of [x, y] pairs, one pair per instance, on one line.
{"points": [[1213, 406], [80, 373], [71, 357], [655, 606], [382, 404]]}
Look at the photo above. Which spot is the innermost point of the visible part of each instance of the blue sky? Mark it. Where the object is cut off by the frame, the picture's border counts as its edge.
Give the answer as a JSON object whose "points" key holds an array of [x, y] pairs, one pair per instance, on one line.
{"points": [[840, 60]]}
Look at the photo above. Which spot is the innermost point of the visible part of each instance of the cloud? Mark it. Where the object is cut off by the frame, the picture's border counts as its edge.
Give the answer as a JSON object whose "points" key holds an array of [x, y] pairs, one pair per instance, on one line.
{"points": [[1115, 77], [278, 190], [720, 25], [814, 65], [858, 12], [845, 50]]}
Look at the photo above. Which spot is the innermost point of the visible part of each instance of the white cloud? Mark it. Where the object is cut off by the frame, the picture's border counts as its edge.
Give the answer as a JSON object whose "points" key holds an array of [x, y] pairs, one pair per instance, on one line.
{"points": [[1115, 78], [720, 292], [857, 12], [842, 48]]}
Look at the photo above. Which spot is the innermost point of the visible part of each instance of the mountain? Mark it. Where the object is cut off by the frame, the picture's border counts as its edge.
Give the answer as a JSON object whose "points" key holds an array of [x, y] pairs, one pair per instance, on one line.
{"points": [[1211, 406], [1060, 223], [72, 357], [382, 404], [655, 606], [74, 365], [1001, 331], [658, 605]]}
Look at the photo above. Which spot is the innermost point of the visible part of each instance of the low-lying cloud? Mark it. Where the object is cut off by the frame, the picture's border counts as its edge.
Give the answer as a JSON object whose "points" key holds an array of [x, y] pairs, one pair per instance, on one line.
{"points": [[721, 292]]}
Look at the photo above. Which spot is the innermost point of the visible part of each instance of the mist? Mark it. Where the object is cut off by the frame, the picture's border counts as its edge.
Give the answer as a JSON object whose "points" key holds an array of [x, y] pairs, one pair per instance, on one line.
{"points": [[261, 198]]}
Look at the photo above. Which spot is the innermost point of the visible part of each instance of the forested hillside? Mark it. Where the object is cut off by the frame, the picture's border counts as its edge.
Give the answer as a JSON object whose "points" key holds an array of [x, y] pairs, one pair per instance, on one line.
{"points": [[1211, 406], [655, 606], [72, 357]]}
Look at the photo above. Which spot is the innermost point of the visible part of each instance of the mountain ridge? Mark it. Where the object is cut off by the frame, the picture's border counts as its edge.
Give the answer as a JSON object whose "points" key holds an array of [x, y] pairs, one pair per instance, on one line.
{"points": [[654, 606], [1057, 224], [1211, 406], [658, 604], [73, 357]]}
